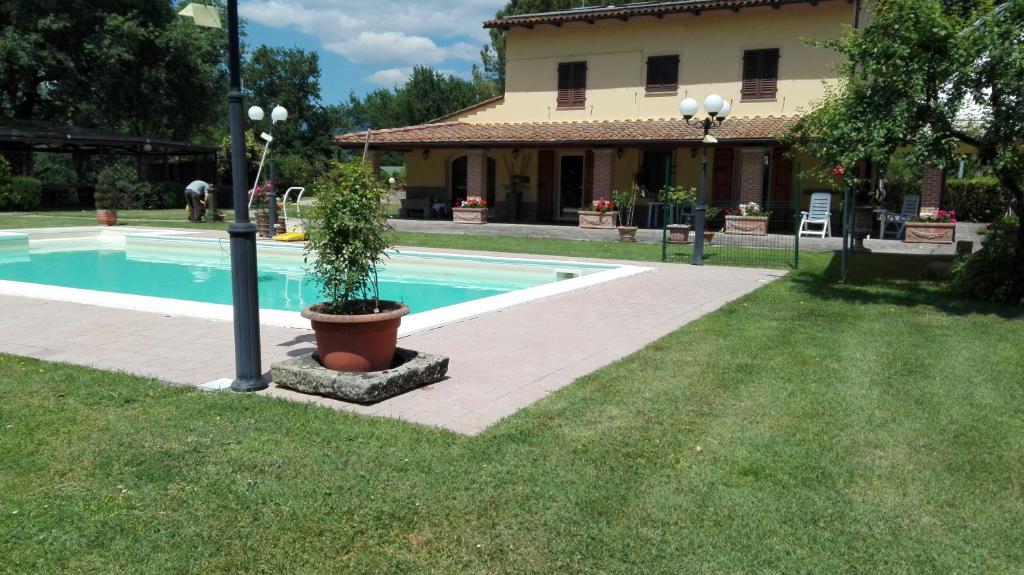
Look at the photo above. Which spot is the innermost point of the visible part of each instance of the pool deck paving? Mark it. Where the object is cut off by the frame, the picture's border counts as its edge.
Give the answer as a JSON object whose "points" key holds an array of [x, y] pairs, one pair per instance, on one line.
{"points": [[501, 361]]}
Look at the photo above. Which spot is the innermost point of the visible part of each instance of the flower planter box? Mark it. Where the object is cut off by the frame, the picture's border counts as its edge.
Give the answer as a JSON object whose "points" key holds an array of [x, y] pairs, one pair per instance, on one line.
{"points": [[106, 217], [929, 233], [746, 225], [598, 220], [469, 215], [678, 234]]}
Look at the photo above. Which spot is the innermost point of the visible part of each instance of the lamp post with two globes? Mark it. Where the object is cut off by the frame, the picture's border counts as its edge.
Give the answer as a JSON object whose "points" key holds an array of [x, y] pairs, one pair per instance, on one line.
{"points": [[717, 109], [278, 114]]}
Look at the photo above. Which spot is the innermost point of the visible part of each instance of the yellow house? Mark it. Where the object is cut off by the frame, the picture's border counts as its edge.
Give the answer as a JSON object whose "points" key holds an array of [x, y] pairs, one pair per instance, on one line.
{"points": [[591, 105]]}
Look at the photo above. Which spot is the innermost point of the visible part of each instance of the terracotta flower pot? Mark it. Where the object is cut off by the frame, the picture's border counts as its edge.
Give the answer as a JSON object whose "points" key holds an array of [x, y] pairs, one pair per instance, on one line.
{"points": [[746, 225], [679, 234], [106, 217], [929, 233], [263, 224], [598, 220], [364, 342], [469, 215], [709, 237], [627, 233]]}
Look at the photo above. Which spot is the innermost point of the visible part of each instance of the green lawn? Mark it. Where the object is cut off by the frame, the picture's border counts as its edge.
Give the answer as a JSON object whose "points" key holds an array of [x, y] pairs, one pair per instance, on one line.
{"points": [[876, 427]]}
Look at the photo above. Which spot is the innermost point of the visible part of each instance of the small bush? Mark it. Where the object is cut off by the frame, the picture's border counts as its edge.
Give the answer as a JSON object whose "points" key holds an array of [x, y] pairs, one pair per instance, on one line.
{"points": [[21, 193], [975, 199], [988, 274], [115, 187]]}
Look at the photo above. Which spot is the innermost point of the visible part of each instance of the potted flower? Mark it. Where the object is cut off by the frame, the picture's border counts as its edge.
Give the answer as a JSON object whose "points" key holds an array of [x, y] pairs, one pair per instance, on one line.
{"points": [[107, 195], [348, 233], [626, 201], [751, 220], [601, 215], [684, 199], [472, 210], [926, 228], [260, 195], [711, 214]]}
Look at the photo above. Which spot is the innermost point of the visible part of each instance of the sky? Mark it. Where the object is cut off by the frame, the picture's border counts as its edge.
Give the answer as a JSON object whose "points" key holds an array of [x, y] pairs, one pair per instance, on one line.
{"points": [[365, 45]]}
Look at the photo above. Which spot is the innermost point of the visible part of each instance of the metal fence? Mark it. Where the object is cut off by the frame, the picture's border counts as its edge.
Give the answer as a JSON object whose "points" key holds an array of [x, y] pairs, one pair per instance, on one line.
{"points": [[749, 243]]}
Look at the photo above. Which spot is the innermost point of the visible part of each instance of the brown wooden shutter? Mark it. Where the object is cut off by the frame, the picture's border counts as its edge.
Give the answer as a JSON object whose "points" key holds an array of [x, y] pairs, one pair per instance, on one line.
{"points": [[760, 74], [572, 83], [662, 73]]}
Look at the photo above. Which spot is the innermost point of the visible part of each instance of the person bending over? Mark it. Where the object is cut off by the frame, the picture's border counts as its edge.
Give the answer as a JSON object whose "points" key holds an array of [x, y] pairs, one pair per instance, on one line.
{"points": [[196, 195]]}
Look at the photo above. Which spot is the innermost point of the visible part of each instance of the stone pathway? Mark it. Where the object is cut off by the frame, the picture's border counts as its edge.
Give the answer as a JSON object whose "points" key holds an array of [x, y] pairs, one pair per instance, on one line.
{"points": [[501, 361], [965, 231]]}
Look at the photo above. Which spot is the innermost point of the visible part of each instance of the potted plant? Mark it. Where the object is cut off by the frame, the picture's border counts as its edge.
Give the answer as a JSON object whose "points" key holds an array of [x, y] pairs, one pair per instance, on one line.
{"points": [[626, 201], [926, 228], [601, 215], [684, 199], [260, 195], [751, 220], [348, 233], [472, 210], [108, 191], [711, 213]]}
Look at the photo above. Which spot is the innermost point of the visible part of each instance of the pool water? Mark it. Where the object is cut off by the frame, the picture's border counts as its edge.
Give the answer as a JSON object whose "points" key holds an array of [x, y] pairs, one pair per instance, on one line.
{"points": [[423, 282]]}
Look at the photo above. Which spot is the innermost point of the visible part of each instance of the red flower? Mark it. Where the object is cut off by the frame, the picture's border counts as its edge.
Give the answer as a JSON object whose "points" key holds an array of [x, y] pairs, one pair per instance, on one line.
{"points": [[839, 170]]}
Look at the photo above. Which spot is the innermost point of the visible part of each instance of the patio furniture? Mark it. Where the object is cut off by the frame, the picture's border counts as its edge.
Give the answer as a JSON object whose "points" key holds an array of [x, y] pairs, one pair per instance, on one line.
{"points": [[654, 214], [419, 205], [819, 213], [911, 204]]}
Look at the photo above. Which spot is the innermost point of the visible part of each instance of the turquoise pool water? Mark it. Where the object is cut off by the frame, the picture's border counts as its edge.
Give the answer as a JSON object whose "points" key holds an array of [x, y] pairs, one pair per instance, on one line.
{"points": [[203, 274]]}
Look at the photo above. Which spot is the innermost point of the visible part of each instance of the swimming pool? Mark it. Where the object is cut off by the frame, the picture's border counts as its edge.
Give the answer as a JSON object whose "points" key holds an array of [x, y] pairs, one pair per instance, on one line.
{"points": [[165, 265]]}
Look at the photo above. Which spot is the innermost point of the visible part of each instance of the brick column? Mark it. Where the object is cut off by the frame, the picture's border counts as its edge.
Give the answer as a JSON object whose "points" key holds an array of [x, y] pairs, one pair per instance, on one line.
{"points": [[932, 182], [751, 174], [476, 173], [604, 172], [375, 162]]}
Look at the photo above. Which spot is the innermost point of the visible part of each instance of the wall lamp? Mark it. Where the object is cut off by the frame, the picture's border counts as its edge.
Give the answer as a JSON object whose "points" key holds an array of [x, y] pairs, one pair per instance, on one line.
{"points": [[426, 153]]}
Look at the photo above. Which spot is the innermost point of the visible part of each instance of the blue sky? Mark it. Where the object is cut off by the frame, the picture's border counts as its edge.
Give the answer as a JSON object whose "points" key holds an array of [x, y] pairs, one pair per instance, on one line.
{"points": [[369, 44]]}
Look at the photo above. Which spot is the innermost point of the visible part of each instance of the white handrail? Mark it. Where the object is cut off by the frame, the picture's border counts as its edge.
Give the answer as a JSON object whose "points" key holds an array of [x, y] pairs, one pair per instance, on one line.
{"points": [[285, 203]]}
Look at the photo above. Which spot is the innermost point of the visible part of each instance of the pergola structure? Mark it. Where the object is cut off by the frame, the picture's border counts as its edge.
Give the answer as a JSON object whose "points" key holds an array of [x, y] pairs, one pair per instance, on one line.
{"points": [[25, 137]]}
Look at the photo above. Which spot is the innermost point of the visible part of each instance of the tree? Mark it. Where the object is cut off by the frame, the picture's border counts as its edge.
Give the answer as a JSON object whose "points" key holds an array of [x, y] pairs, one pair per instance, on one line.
{"points": [[493, 56], [920, 76], [289, 77], [127, 65]]}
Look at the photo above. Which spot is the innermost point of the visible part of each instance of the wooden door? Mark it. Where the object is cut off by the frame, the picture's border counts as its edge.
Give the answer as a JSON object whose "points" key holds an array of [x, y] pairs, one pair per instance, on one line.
{"points": [[721, 177], [545, 185], [588, 179], [782, 179]]}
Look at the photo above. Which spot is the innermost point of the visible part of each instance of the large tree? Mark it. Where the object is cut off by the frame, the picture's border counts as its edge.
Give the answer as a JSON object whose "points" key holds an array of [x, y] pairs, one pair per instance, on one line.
{"points": [[921, 76], [130, 65]]}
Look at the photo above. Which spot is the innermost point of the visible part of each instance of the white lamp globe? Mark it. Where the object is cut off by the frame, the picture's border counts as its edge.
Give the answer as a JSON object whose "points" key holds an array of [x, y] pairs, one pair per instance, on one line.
{"points": [[255, 113], [688, 108], [279, 114], [726, 108], [713, 104], [391, 181]]}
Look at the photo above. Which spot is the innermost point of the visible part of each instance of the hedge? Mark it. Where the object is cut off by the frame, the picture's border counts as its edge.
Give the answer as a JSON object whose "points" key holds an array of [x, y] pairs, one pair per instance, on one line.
{"points": [[22, 193], [975, 199]]}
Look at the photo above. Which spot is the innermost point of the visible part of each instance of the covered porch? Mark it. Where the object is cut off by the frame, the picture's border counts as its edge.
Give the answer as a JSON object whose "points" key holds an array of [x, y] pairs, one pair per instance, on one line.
{"points": [[546, 172]]}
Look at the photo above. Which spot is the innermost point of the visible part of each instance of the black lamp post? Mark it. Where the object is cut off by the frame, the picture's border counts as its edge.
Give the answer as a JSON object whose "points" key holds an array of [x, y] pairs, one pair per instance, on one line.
{"points": [[278, 114], [245, 297], [717, 110]]}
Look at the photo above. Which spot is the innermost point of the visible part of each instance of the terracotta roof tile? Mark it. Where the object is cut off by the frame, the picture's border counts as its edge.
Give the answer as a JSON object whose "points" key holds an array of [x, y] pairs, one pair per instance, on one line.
{"points": [[626, 11], [567, 133]]}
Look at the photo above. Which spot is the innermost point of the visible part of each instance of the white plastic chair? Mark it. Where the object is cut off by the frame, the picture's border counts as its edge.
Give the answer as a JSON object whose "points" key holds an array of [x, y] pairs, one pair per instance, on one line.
{"points": [[911, 205], [819, 213]]}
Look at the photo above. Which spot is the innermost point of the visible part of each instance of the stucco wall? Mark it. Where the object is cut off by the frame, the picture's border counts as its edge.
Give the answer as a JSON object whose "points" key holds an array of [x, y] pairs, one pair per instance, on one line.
{"points": [[710, 47]]}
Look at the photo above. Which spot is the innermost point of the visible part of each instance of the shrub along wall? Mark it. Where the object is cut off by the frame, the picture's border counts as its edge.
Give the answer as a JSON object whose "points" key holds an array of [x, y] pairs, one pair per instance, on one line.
{"points": [[975, 199], [21, 193]]}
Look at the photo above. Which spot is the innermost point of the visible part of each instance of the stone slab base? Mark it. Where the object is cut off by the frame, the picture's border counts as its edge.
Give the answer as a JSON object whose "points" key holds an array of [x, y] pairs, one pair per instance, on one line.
{"points": [[411, 369]]}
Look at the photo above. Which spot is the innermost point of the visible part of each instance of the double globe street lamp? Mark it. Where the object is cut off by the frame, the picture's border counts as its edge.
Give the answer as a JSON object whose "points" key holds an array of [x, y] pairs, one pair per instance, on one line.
{"points": [[278, 114], [717, 110]]}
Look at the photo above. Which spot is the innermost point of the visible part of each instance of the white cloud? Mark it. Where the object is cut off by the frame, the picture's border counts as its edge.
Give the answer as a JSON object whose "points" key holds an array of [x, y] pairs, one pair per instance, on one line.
{"points": [[394, 33], [390, 78]]}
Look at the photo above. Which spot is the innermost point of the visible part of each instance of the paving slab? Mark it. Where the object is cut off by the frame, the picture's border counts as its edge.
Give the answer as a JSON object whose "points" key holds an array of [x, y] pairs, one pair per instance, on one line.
{"points": [[501, 361]]}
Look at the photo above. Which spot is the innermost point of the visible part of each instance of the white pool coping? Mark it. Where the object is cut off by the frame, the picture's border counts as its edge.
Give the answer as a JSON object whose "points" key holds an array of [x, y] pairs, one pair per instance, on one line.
{"points": [[271, 317]]}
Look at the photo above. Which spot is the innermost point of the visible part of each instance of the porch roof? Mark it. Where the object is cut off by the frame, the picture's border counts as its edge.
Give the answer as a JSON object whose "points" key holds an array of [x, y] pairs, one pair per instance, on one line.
{"points": [[614, 133]]}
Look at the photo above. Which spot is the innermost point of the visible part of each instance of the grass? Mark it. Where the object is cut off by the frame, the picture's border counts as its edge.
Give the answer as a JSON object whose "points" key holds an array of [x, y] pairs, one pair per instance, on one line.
{"points": [[872, 427]]}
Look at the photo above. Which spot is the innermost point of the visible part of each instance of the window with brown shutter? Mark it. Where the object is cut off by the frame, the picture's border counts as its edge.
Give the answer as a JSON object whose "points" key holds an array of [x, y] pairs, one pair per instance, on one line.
{"points": [[760, 74], [572, 84], [662, 73]]}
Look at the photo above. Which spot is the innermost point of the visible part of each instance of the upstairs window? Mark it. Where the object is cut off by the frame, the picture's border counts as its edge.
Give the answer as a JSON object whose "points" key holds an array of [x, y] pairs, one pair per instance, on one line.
{"points": [[760, 74], [572, 84], [663, 73]]}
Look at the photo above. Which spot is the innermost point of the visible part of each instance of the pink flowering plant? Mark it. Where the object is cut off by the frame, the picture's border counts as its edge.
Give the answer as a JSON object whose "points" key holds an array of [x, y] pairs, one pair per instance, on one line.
{"points": [[753, 210], [473, 202], [602, 205], [939, 217]]}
